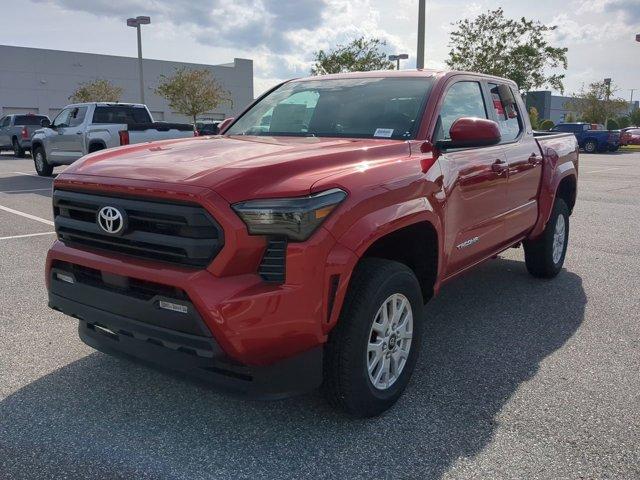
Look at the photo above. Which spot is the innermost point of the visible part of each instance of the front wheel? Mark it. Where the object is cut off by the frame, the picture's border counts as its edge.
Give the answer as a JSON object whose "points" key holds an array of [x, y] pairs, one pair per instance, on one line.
{"points": [[590, 146], [372, 351], [43, 168], [544, 256]]}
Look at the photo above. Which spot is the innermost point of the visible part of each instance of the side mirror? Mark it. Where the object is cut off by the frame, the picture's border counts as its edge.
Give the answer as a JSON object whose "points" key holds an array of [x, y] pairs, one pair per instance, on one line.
{"points": [[222, 126], [472, 132], [45, 122]]}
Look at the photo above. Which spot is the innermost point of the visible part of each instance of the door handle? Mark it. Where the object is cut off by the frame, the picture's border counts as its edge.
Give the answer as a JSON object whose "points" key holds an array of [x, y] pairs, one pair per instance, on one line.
{"points": [[499, 166], [78, 133], [534, 159]]}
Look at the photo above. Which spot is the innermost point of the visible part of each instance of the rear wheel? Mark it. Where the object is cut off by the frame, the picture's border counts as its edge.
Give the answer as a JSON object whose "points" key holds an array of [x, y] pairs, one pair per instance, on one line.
{"points": [[544, 256], [372, 351], [18, 151], [44, 168], [590, 146]]}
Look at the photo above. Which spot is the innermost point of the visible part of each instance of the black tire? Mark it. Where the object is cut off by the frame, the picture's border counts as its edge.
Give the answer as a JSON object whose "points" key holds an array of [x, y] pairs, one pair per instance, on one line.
{"points": [[347, 384], [18, 151], [43, 168], [591, 146], [95, 147], [539, 253]]}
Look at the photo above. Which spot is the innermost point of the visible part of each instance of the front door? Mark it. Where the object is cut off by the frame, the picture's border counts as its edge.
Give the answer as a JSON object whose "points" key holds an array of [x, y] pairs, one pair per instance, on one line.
{"points": [[475, 181], [70, 141], [56, 141]]}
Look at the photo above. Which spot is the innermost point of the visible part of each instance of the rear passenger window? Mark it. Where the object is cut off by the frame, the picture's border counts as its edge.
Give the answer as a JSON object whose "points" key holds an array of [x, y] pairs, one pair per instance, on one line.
{"points": [[463, 99], [508, 118], [121, 114]]}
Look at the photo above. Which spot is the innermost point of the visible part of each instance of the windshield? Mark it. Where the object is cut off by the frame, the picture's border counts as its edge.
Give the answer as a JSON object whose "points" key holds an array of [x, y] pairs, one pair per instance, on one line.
{"points": [[388, 107]]}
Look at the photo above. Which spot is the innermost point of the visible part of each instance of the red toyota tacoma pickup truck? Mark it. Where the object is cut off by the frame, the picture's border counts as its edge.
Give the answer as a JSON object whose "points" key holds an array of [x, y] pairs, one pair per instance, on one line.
{"points": [[297, 249]]}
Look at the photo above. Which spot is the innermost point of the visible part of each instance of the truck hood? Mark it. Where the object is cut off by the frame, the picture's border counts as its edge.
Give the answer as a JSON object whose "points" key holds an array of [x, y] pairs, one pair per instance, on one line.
{"points": [[238, 167]]}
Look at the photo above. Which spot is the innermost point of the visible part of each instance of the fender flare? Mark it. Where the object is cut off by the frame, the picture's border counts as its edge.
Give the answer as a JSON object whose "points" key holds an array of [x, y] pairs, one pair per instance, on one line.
{"points": [[551, 179], [352, 245]]}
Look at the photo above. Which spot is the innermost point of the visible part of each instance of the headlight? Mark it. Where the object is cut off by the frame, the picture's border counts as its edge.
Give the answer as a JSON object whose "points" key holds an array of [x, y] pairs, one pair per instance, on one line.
{"points": [[296, 218]]}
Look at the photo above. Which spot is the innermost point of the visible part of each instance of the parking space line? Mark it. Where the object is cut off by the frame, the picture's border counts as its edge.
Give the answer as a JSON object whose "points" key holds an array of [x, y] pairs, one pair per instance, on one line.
{"points": [[604, 170], [35, 175], [27, 215], [27, 235], [26, 191]]}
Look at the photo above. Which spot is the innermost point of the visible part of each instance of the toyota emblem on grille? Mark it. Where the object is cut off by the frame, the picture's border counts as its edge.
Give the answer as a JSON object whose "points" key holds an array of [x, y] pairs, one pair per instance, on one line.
{"points": [[111, 220]]}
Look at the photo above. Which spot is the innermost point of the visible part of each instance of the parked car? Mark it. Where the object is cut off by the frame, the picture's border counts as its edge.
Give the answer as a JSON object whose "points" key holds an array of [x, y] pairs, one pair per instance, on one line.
{"points": [[272, 262], [207, 128], [630, 136], [83, 128], [16, 132], [589, 139]]}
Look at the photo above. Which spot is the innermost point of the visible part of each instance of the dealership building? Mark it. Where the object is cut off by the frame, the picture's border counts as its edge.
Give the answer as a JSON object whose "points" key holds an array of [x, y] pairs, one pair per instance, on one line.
{"points": [[34, 80], [556, 107]]}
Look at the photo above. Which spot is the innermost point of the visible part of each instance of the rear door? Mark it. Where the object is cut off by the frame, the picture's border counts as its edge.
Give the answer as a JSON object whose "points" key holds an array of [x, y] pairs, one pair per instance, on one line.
{"points": [[475, 183], [524, 159]]}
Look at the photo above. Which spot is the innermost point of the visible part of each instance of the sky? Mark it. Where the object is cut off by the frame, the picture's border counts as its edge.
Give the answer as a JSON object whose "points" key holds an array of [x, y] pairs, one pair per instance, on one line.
{"points": [[282, 35]]}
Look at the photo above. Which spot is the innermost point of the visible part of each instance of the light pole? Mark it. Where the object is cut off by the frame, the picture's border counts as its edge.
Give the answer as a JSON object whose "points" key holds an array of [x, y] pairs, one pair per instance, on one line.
{"points": [[397, 58], [137, 22], [420, 50]]}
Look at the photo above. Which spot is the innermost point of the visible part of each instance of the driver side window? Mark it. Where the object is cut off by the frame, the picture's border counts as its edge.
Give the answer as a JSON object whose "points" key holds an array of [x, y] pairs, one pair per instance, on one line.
{"points": [[62, 119], [463, 99]]}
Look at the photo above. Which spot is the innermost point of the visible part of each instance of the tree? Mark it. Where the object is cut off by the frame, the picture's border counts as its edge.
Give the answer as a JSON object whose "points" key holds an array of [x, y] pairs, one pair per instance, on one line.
{"points": [[534, 117], [362, 54], [192, 92], [547, 125], [624, 121], [570, 118], [612, 124], [594, 103], [515, 49], [635, 117], [99, 90]]}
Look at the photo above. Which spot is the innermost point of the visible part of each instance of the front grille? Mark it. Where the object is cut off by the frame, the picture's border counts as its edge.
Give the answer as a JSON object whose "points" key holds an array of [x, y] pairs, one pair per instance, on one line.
{"points": [[179, 233]]}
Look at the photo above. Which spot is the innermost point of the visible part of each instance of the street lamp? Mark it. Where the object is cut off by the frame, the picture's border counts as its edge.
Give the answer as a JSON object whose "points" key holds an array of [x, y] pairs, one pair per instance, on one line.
{"points": [[421, 20], [397, 58], [136, 22]]}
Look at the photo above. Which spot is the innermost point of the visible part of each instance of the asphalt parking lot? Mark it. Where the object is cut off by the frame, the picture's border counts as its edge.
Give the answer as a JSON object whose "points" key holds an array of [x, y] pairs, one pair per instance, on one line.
{"points": [[520, 378]]}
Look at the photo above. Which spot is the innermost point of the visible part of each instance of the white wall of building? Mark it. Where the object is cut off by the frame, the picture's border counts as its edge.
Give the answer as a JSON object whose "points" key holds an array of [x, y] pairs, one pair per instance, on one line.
{"points": [[41, 81]]}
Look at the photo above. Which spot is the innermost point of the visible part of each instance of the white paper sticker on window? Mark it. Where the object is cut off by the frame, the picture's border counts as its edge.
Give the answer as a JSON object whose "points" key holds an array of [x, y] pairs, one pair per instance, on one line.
{"points": [[383, 132]]}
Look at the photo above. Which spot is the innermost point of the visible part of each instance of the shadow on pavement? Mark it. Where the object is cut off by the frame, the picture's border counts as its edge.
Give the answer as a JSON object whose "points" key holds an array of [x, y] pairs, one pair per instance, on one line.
{"points": [[102, 417], [19, 184]]}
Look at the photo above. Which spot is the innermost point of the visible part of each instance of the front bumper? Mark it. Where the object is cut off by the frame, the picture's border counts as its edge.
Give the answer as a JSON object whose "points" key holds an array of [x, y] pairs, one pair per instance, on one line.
{"points": [[109, 322]]}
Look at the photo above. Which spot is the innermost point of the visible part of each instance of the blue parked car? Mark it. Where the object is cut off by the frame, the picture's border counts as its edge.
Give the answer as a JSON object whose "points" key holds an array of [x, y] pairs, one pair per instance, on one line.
{"points": [[591, 140]]}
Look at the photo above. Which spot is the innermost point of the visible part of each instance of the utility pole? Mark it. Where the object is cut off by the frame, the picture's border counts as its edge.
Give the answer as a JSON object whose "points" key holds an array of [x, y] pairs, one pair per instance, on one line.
{"points": [[421, 19], [137, 22], [607, 83], [631, 99]]}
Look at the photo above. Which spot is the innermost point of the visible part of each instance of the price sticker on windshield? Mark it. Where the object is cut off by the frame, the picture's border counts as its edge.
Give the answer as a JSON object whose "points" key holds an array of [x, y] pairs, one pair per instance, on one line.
{"points": [[383, 132]]}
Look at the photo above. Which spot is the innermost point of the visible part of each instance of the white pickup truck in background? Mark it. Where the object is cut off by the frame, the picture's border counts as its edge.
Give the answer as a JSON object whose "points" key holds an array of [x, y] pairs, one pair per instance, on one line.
{"points": [[83, 128]]}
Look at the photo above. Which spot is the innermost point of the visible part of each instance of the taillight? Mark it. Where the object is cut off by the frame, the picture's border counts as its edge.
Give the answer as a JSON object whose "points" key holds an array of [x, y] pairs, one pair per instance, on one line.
{"points": [[24, 133], [124, 137]]}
